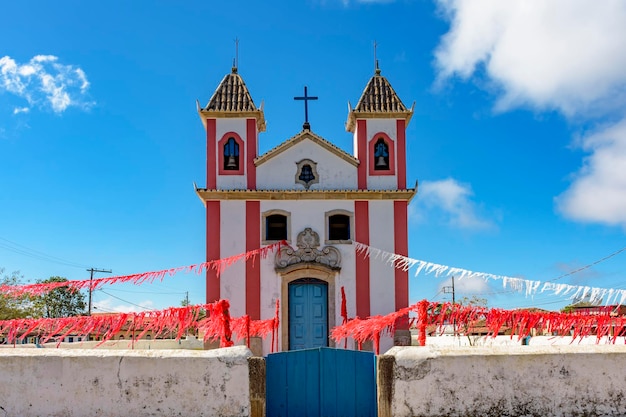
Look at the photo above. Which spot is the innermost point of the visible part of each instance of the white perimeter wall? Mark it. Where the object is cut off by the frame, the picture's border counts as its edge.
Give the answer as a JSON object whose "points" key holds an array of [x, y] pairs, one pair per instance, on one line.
{"points": [[102, 383], [580, 380]]}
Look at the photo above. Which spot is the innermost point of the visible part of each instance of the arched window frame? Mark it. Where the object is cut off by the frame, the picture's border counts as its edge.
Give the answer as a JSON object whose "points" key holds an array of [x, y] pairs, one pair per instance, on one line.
{"points": [[265, 215], [313, 165], [331, 213], [220, 155], [392, 155]]}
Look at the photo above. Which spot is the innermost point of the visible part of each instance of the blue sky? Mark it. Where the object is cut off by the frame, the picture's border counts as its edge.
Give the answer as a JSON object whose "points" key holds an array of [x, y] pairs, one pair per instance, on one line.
{"points": [[518, 140]]}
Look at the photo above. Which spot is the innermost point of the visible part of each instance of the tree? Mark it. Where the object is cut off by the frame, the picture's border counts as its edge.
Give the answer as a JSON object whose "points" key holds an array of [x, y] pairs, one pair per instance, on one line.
{"points": [[60, 302], [14, 307]]}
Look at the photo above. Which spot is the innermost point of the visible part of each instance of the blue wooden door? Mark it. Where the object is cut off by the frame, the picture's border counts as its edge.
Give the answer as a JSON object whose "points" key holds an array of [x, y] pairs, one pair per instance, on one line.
{"points": [[308, 314], [321, 382]]}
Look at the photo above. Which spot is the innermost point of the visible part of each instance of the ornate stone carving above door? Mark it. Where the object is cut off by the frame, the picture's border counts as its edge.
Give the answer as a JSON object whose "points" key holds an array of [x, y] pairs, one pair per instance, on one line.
{"points": [[308, 242]]}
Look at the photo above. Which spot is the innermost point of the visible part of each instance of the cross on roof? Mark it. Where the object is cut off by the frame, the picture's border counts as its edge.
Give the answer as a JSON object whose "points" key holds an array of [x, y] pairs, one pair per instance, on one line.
{"points": [[306, 98]]}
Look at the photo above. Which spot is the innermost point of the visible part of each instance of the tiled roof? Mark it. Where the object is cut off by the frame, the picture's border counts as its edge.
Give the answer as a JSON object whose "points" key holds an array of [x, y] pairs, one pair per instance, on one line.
{"points": [[379, 100], [379, 97], [231, 95]]}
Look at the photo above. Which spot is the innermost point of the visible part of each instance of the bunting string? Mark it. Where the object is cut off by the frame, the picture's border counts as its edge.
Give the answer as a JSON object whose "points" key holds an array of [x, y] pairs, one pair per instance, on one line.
{"points": [[212, 320], [218, 265], [529, 287], [468, 318]]}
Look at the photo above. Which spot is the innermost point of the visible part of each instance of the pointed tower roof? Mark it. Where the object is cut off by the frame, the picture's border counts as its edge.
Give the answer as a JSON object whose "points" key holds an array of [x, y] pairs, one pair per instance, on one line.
{"points": [[232, 99], [379, 100]]}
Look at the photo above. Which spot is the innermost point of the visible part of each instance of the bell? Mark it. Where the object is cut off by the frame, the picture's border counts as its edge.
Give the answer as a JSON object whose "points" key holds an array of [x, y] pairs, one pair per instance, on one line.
{"points": [[231, 163], [380, 162]]}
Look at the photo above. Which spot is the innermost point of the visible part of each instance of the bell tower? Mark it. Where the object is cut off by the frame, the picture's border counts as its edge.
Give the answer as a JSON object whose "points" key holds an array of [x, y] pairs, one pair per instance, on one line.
{"points": [[232, 123], [379, 123]]}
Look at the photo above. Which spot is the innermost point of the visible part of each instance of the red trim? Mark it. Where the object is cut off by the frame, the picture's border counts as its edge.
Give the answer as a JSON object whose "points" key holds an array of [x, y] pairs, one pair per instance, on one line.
{"points": [[251, 150], [211, 176], [401, 247], [212, 249], [220, 154], [392, 154], [401, 152], [361, 137], [362, 263], [253, 266]]}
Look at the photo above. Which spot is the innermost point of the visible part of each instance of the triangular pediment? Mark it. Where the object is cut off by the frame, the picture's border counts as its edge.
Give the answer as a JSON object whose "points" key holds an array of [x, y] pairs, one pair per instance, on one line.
{"points": [[306, 135]]}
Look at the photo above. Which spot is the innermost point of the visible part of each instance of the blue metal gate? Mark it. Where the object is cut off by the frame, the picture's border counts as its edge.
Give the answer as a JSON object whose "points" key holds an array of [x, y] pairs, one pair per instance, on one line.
{"points": [[321, 382]]}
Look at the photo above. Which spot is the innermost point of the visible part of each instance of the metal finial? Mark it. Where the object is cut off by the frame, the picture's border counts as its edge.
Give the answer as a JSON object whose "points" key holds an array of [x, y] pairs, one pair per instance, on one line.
{"points": [[236, 59], [376, 68]]}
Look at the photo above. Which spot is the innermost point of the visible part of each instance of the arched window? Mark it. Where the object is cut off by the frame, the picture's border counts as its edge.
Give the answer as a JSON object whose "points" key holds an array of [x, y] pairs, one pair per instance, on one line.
{"points": [[339, 227], [381, 155], [231, 155], [276, 227], [307, 174]]}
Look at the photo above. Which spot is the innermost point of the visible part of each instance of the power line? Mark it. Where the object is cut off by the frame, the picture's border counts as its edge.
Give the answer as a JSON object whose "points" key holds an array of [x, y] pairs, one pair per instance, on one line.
{"points": [[33, 253], [145, 292], [125, 301]]}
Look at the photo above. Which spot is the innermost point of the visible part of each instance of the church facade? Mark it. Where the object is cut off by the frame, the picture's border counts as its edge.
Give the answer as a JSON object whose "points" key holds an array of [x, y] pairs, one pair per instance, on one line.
{"points": [[319, 199]]}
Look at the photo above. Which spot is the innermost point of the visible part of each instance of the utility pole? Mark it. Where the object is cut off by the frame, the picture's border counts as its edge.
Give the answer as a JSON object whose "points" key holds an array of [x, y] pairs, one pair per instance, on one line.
{"points": [[92, 270], [187, 299], [447, 290]]}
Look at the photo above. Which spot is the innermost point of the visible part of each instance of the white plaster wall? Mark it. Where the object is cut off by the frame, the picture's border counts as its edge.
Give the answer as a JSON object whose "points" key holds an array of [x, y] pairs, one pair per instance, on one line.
{"points": [[388, 126], [382, 275], [233, 242], [279, 172], [308, 213], [452, 341], [223, 126], [513, 381], [103, 383]]}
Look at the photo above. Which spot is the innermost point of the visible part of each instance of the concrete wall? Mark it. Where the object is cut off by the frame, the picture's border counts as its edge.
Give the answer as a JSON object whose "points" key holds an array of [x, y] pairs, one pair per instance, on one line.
{"points": [[100, 383], [580, 380]]}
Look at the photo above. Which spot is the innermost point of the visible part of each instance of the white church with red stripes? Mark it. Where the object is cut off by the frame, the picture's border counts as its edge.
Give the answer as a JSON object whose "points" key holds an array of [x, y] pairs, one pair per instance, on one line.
{"points": [[317, 198]]}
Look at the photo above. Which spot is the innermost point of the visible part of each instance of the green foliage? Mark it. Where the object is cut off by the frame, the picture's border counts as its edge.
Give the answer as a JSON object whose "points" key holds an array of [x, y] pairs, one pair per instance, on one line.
{"points": [[60, 302], [11, 307], [474, 300]]}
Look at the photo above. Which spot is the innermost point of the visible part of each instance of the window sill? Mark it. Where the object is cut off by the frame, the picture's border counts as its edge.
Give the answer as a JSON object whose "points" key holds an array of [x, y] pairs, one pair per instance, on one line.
{"points": [[338, 242]]}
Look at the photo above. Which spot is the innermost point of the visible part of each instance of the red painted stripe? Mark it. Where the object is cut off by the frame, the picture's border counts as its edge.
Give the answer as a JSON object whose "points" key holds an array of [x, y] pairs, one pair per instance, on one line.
{"points": [[212, 249], [211, 155], [251, 145], [401, 247], [362, 267], [253, 267], [401, 152], [361, 137]]}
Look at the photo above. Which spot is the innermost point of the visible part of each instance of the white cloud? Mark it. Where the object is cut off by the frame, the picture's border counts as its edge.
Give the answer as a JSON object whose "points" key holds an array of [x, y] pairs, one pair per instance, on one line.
{"points": [[467, 287], [453, 201], [44, 82], [19, 110], [567, 55], [108, 305], [598, 192], [564, 55]]}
